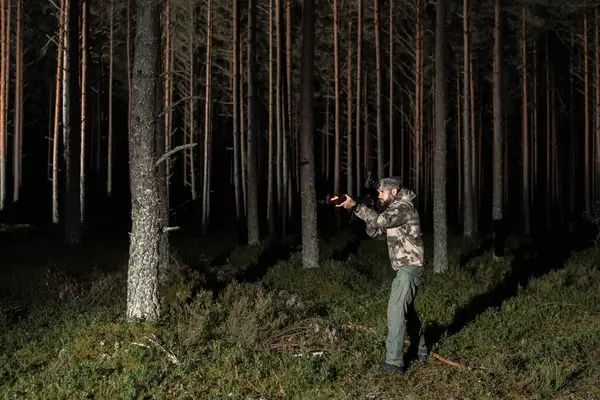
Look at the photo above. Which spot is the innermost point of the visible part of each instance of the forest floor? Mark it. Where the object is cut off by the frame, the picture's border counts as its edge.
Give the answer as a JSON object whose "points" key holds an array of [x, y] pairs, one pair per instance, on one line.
{"points": [[526, 327]]}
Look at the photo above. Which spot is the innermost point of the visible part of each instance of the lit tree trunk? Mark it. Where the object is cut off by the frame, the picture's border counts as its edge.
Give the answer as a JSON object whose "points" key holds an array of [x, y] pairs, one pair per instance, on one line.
{"points": [[110, 99], [236, 111], [336, 78], [597, 96], [270, 156], [288, 60], [18, 118], [534, 131], [243, 140], [349, 166], [440, 247], [358, 95], [82, 151], [586, 174], [310, 242], [459, 198], [467, 162], [572, 138], [498, 137], [379, 93], [281, 136], [167, 79], [391, 83], [252, 189], [72, 127], [549, 186], [146, 229], [418, 94], [190, 123], [207, 123], [57, 104], [4, 50], [128, 50], [524, 131], [161, 166], [474, 155]]}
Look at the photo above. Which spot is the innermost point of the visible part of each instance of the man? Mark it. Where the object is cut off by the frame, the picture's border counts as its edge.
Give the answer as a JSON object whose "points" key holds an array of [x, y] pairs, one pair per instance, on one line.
{"points": [[399, 220]]}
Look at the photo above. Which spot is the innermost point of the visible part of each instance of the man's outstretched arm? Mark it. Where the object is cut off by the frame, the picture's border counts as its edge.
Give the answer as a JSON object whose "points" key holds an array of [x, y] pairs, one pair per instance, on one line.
{"points": [[395, 215]]}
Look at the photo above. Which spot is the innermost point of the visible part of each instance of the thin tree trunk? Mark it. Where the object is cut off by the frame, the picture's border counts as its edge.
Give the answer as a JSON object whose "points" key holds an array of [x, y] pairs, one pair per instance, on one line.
{"points": [[252, 188], [525, 133], [586, 174], [57, 106], [597, 96], [440, 256], [236, 111], [379, 93], [498, 137], [18, 118], [349, 161], [549, 186], [72, 128], [358, 96], [109, 187], [207, 122], [336, 78], [391, 83], [310, 242], [82, 159], [468, 227], [572, 138], [271, 214]]}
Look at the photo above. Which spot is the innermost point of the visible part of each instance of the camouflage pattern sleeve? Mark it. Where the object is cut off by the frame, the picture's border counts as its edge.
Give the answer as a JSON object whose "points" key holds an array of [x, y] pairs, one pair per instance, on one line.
{"points": [[372, 231], [398, 213]]}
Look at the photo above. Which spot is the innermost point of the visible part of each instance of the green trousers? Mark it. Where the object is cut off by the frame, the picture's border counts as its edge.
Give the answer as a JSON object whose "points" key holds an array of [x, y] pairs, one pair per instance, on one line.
{"points": [[401, 312]]}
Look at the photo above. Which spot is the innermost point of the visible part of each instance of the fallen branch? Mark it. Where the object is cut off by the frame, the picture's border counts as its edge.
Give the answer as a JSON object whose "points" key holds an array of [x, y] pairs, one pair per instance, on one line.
{"points": [[361, 328], [169, 354], [446, 361], [169, 153]]}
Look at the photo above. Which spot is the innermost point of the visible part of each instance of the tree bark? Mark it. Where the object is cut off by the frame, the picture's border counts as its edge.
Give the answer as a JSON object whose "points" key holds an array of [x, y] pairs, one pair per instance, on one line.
{"points": [[72, 129], [252, 190], [310, 243], [146, 223], [468, 215], [498, 137], [440, 226]]}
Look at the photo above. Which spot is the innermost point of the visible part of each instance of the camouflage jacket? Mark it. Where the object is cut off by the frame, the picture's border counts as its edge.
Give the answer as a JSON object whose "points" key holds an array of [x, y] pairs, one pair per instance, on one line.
{"points": [[400, 221]]}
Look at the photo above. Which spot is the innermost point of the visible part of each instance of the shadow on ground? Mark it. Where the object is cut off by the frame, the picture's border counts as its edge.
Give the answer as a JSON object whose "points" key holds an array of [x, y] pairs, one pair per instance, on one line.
{"points": [[532, 259]]}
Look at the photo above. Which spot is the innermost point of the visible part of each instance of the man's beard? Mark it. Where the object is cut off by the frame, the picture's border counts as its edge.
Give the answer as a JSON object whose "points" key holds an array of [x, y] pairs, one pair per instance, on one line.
{"points": [[383, 204]]}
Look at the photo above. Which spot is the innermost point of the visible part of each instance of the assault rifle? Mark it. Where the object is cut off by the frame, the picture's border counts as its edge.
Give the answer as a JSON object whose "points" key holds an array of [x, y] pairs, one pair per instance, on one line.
{"points": [[371, 185], [332, 199]]}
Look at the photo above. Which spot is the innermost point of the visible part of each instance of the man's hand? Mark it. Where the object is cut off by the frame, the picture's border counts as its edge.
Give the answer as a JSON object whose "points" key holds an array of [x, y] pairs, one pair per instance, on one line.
{"points": [[348, 203]]}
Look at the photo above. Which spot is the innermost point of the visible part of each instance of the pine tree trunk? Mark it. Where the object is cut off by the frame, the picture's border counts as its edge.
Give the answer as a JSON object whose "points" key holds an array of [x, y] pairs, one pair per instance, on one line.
{"points": [[72, 129], [440, 233], [146, 229], [310, 242], [252, 187], [498, 137]]}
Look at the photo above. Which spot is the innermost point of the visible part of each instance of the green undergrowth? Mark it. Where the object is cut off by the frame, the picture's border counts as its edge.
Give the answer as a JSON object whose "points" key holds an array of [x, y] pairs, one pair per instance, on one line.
{"points": [[298, 333]]}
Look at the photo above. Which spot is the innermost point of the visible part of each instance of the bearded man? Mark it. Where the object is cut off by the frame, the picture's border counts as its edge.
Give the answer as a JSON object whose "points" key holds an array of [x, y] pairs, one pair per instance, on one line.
{"points": [[399, 221]]}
